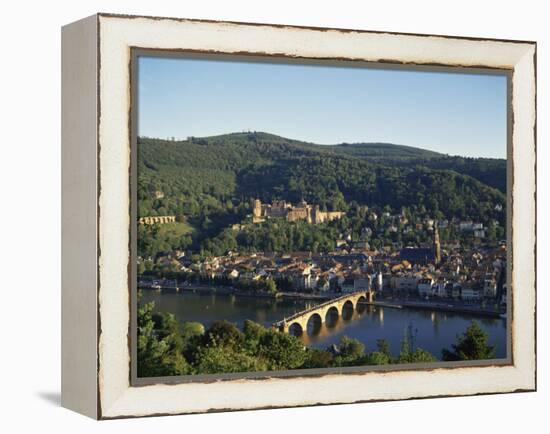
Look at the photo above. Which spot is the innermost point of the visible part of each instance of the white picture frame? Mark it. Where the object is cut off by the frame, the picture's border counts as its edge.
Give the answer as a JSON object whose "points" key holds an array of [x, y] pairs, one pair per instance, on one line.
{"points": [[96, 157]]}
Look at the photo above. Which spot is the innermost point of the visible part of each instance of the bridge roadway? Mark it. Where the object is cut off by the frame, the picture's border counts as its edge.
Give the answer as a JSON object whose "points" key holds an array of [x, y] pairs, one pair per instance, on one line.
{"points": [[334, 306]]}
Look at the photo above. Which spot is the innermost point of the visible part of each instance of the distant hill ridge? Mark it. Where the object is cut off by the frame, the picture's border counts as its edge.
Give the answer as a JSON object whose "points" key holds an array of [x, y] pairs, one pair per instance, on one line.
{"points": [[374, 148], [490, 171]]}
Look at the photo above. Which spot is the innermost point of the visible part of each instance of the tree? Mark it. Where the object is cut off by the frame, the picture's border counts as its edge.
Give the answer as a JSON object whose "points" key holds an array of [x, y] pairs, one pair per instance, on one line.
{"points": [[281, 350], [351, 350], [417, 356], [167, 328], [410, 355], [383, 347], [252, 334], [471, 345], [217, 360], [270, 285], [381, 357], [376, 358], [191, 329], [158, 356], [316, 358], [223, 333]]}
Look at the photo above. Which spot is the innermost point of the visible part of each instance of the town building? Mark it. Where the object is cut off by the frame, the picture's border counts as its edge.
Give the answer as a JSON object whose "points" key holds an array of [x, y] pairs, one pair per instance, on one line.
{"points": [[471, 293], [417, 255], [425, 287], [362, 284], [407, 284]]}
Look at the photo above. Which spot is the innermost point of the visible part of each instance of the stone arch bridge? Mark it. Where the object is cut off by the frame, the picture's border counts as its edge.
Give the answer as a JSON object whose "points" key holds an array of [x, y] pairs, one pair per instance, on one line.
{"points": [[321, 311]]}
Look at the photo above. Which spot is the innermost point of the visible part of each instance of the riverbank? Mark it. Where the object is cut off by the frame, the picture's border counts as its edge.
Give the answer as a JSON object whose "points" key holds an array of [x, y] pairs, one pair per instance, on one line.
{"points": [[440, 307], [451, 307], [210, 290], [433, 329]]}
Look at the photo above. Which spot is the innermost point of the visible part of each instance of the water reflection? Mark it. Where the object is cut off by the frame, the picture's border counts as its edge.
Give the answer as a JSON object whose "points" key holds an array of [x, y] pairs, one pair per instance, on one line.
{"points": [[332, 317], [347, 311], [336, 322], [314, 324], [436, 330]]}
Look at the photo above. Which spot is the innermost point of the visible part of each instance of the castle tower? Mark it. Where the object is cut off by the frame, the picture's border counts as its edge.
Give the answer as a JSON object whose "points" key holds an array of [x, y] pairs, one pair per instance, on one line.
{"points": [[314, 215], [257, 208], [437, 244]]}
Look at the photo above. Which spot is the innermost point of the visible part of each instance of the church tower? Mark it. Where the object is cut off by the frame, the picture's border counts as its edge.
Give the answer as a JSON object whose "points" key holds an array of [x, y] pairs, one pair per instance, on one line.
{"points": [[437, 245]]}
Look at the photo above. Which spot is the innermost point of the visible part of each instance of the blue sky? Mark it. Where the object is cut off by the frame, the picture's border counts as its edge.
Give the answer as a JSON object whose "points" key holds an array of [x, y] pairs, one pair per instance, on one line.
{"points": [[456, 114]]}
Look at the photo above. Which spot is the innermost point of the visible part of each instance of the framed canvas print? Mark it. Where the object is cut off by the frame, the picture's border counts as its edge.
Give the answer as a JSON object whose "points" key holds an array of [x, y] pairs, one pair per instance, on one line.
{"points": [[262, 216]]}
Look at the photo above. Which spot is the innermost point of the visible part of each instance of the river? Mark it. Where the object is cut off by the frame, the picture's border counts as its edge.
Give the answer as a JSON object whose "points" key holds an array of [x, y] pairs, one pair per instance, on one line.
{"points": [[431, 330]]}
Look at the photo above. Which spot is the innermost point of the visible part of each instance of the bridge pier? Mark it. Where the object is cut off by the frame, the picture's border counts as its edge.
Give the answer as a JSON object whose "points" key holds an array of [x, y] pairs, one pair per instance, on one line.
{"points": [[370, 296]]}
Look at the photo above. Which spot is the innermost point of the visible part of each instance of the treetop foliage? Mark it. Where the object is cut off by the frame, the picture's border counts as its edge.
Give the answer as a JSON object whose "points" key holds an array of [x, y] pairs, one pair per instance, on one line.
{"points": [[166, 347]]}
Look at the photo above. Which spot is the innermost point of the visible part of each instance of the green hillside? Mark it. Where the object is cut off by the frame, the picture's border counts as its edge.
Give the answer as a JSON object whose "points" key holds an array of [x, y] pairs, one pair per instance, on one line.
{"points": [[490, 171], [210, 181]]}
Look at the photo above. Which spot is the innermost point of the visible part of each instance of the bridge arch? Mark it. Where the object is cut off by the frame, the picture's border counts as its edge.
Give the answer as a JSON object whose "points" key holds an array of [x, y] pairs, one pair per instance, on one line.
{"points": [[348, 304], [361, 304], [296, 329], [314, 323], [332, 314], [348, 309]]}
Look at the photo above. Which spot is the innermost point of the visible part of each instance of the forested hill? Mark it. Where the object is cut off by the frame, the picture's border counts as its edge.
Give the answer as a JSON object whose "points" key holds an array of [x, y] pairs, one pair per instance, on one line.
{"points": [[384, 151], [210, 182], [490, 171]]}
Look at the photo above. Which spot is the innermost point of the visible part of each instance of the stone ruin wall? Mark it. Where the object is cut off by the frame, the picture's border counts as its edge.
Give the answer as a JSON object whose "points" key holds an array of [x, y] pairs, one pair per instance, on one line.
{"points": [[160, 219]]}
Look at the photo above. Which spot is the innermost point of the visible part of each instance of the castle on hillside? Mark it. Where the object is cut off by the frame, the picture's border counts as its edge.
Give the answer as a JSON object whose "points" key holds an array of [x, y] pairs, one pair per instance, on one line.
{"points": [[303, 211]]}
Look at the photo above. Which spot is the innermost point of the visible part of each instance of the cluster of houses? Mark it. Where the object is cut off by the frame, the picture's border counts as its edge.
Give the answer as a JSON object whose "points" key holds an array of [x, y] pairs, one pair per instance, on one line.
{"points": [[476, 229], [474, 275], [399, 223], [471, 274]]}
